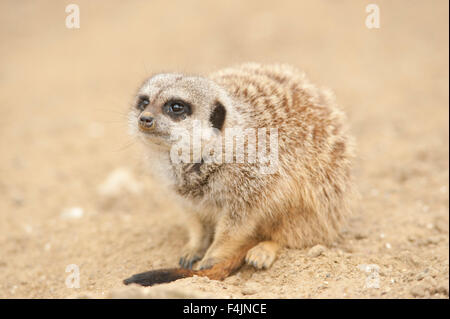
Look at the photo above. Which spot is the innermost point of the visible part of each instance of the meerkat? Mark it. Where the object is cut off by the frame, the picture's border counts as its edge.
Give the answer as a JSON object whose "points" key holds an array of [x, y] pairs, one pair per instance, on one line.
{"points": [[237, 213]]}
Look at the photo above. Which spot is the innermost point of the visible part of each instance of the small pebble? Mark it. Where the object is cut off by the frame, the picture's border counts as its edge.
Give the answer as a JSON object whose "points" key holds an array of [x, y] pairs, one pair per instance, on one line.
{"points": [[250, 289], [119, 181], [72, 213], [28, 229], [360, 235], [421, 275], [418, 290], [316, 251]]}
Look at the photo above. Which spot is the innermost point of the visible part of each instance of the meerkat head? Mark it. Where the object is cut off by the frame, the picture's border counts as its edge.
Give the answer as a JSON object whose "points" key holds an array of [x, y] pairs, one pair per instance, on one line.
{"points": [[167, 104]]}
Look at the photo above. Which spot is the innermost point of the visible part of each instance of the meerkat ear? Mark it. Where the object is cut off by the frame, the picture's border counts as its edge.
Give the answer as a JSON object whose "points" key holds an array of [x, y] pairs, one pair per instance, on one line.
{"points": [[217, 117]]}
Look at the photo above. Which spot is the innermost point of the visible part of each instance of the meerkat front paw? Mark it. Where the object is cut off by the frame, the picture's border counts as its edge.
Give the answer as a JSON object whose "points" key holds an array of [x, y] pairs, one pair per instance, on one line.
{"points": [[188, 260], [190, 256], [262, 255], [192, 253], [195, 249], [207, 263]]}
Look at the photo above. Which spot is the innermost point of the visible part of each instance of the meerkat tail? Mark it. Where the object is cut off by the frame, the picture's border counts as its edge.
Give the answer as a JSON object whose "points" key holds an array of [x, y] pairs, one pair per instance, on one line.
{"points": [[159, 276], [219, 271]]}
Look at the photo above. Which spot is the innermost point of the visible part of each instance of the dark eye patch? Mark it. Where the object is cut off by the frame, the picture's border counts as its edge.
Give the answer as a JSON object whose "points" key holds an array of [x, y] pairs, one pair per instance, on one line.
{"points": [[217, 117], [142, 102], [177, 109]]}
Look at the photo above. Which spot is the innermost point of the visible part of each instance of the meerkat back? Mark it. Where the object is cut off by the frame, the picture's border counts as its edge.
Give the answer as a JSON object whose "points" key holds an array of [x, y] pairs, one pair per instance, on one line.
{"points": [[314, 183]]}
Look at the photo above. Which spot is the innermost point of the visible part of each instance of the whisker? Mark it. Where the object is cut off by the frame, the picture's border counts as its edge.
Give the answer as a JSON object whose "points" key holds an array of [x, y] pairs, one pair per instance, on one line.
{"points": [[126, 146]]}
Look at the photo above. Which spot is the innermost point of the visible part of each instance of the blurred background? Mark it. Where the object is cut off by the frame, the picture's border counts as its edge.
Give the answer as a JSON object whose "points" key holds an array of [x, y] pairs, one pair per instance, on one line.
{"points": [[73, 189]]}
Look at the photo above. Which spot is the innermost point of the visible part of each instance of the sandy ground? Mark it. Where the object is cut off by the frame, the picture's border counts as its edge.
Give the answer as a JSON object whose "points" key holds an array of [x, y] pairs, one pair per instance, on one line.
{"points": [[64, 95]]}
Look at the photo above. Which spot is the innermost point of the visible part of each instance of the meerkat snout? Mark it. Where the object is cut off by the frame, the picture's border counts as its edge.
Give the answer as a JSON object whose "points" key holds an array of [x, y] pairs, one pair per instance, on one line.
{"points": [[237, 212], [146, 121]]}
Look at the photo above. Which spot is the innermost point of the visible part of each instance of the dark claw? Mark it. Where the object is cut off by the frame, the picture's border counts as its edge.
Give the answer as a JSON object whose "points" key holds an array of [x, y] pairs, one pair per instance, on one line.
{"points": [[188, 263]]}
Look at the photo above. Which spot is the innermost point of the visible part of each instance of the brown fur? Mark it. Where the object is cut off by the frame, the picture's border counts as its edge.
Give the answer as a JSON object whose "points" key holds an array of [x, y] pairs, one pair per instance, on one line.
{"points": [[232, 204]]}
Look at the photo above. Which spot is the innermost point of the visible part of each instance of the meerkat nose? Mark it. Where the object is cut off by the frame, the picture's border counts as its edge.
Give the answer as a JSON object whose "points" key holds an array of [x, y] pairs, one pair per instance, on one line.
{"points": [[146, 121]]}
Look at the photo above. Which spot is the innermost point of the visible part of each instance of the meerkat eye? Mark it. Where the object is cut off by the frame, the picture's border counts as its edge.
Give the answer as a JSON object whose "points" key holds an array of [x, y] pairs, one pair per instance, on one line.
{"points": [[142, 102], [177, 109]]}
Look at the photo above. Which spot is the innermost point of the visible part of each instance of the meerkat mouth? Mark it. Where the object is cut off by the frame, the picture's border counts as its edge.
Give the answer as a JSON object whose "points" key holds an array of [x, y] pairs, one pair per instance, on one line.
{"points": [[154, 137], [146, 130]]}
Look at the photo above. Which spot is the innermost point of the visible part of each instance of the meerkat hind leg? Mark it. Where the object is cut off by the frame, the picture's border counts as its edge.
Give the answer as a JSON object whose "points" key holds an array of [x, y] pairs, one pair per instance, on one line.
{"points": [[262, 255], [232, 240]]}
